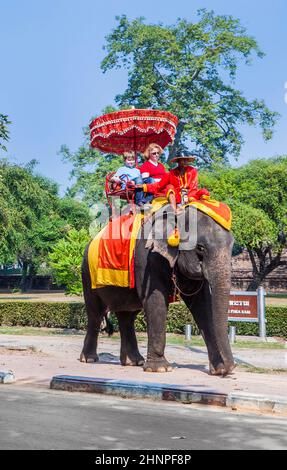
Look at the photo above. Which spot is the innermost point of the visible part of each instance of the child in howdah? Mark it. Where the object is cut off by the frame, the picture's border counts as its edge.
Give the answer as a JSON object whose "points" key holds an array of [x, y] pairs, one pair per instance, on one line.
{"points": [[129, 176]]}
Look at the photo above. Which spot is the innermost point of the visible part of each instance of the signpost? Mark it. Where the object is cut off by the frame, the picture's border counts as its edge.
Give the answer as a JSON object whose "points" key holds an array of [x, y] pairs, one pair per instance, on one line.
{"points": [[248, 307]]}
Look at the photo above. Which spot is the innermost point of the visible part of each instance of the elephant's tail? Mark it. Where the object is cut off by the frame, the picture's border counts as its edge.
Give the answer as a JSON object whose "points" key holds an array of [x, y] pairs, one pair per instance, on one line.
{"points": [[108, 327]]}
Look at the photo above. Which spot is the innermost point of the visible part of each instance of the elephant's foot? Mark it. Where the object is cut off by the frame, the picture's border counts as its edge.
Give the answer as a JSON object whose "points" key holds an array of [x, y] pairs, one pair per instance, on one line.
{"points": [[89, 357], [157, 365], [132, 360], [221, 369]]}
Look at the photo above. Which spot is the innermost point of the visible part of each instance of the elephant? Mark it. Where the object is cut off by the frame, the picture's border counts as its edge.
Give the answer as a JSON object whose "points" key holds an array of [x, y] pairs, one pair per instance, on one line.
{"points": [[202, 273]]}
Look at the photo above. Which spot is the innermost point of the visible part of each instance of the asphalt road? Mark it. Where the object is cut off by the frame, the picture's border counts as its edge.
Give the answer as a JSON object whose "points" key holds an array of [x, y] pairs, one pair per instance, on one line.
{"points": [[41, 419]]}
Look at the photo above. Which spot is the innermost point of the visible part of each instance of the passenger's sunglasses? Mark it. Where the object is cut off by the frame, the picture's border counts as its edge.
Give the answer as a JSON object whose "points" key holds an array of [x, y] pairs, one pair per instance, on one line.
{"points": [[155, 153]]}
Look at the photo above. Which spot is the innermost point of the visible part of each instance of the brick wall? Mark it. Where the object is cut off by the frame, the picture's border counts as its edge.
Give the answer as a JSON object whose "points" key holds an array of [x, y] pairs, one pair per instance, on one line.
{"points": [[242, 274]]}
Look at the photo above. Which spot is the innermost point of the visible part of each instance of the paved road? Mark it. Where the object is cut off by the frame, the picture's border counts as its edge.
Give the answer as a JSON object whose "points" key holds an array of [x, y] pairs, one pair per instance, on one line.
{"points": [[47, 419]]}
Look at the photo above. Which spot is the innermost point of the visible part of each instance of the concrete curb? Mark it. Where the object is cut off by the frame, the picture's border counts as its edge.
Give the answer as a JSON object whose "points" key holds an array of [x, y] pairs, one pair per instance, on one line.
{"points": [[132, 389], [7, 377], [265, 404], [169, 392]]}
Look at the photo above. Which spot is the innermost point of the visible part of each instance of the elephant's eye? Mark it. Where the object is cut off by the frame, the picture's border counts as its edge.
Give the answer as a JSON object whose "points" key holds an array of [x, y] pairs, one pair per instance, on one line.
{"points": [[200, 251], [200, 248]]}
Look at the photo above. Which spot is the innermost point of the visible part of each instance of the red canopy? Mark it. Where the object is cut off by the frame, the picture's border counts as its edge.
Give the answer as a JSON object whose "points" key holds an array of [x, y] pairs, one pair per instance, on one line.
{"points": [[132, 130]]}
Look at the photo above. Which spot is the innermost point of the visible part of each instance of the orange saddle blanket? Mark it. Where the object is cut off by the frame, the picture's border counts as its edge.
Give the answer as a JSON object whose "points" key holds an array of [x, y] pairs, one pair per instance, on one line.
{"points": [[111, 252]]}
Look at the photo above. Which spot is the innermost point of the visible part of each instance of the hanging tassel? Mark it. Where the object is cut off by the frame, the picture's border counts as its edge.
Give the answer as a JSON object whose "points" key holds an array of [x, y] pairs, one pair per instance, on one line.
{"points": [[174, 239]]}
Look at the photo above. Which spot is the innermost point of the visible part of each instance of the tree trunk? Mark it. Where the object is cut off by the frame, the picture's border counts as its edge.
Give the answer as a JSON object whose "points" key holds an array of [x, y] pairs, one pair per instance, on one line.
{"points": [[30, 278], [256, 282], [262, 269], [23, 283]]}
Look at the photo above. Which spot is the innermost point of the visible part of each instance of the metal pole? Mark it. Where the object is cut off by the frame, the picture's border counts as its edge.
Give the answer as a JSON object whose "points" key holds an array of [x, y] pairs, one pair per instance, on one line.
{"points": [[232, 334], [188, 332], [261, 312]]}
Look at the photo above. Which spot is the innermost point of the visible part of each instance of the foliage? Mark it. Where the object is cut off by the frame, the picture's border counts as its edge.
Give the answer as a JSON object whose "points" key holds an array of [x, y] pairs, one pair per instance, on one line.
{"points": [[66, 260], [257, 195], [73, 315], [90, 169], [43, 314], [189, 68], [261, 232], [75, 214], [4, 133], [33, 217]]}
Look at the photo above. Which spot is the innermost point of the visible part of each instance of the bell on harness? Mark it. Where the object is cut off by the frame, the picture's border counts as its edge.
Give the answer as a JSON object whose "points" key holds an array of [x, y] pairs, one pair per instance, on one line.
{"points": [[184, 196]]}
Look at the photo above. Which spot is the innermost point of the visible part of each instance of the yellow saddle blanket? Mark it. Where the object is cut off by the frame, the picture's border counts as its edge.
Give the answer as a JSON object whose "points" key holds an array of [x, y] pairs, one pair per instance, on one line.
{"points": [[217, 210]]}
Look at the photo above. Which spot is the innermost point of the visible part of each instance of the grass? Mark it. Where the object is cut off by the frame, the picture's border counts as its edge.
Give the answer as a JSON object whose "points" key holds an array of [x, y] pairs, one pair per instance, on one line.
{"points": [[241, 344], [32, 331], [259, 370], [277, 296], [258, 345]]}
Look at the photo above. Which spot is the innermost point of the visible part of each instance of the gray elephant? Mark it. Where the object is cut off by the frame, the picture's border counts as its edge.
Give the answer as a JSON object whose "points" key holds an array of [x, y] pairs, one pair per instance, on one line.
{"points": [[203, 275]]}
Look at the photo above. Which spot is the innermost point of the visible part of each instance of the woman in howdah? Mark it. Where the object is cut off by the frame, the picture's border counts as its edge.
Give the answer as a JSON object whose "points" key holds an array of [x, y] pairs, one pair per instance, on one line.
{"points": [[152, 172]]}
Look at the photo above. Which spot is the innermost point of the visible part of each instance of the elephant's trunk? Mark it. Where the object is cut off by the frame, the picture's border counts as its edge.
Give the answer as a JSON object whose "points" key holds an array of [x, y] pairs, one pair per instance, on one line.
{"points": [[220, 284]]}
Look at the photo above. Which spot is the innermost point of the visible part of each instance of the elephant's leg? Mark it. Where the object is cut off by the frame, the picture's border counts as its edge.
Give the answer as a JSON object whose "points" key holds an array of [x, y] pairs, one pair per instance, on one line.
{"points": [[95, 311], [156, 310], [201, 308], [130, 355]]}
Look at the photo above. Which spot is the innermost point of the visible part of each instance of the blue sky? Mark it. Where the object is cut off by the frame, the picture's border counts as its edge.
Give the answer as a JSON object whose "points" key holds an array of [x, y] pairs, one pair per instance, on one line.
{"points": [[51, 83]]}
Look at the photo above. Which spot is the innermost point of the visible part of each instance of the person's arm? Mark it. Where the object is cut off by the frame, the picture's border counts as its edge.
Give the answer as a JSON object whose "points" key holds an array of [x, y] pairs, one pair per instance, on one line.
{"points": [[116, 177], [156, 187], [202, 192], [194, 191]]}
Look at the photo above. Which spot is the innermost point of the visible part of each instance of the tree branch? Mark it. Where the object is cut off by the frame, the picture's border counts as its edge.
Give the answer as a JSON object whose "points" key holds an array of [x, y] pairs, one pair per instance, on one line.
{"points": [[226, 132], [253, 262], [163, 78], [273, 264], [195, 75]]}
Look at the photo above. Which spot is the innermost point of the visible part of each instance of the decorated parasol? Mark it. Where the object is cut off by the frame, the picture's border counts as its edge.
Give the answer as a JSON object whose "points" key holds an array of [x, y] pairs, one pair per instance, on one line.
{"points": [[132, 130]]}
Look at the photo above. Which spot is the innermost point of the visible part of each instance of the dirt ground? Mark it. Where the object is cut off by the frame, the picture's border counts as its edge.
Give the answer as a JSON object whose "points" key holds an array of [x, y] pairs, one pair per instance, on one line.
{"points": [[40, 297], [35, 360], [276, 302]]}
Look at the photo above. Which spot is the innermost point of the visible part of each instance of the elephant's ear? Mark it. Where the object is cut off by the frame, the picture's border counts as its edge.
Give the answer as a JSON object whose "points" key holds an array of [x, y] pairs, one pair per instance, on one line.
{"points": [[162, 227]]}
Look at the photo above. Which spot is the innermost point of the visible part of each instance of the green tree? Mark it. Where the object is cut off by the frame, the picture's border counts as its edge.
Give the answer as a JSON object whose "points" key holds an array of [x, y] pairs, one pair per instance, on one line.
{"points": [[189, 69], [257, 195], [73, 212], [89, 172], [33, 218], [8, 222], [66, 260], [4, 133]]}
